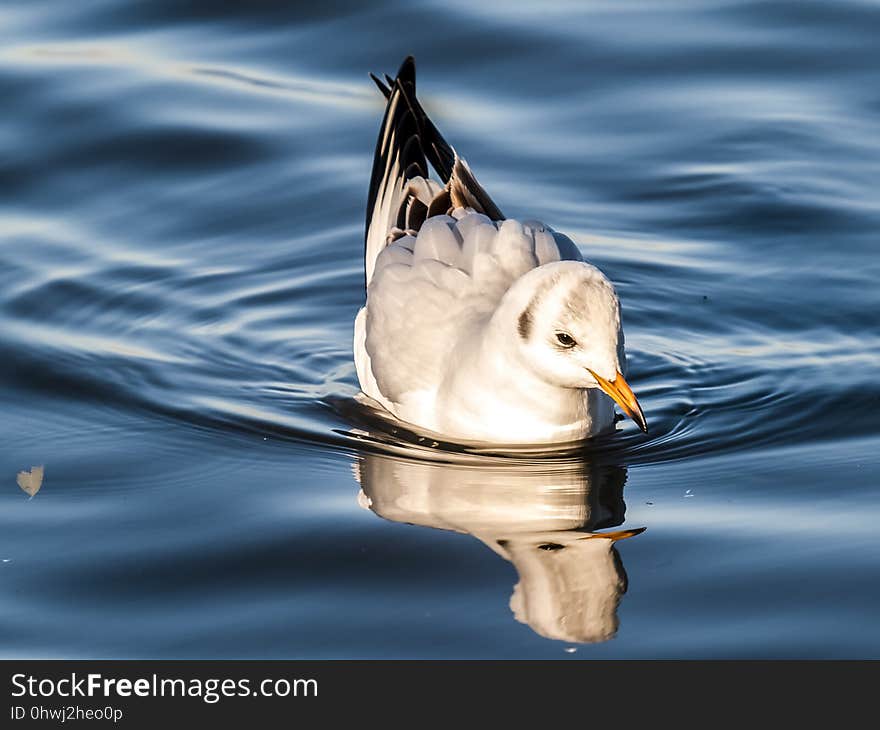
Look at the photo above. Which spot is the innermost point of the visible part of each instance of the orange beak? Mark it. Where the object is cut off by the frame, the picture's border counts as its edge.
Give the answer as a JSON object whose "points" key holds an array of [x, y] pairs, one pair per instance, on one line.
{"points": [[616, 535], [622, 394]]}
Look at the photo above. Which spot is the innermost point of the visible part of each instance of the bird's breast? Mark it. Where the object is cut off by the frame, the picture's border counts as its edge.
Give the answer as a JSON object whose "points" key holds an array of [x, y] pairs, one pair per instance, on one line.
{"points": [[488, 401]]}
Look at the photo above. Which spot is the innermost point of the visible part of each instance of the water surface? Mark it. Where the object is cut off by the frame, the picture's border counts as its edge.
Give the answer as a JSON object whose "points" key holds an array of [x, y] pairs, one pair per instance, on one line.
{"points": [[180, 267]]}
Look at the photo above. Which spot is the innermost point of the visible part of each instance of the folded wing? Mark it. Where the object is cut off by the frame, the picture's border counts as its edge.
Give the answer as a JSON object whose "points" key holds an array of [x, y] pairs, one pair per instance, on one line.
{"points": [[402, 195], [439, 256]]}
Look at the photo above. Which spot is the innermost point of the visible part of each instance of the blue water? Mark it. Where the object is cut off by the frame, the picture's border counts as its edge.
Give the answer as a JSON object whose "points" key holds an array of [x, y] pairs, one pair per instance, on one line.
{"points": [[183, 190]]}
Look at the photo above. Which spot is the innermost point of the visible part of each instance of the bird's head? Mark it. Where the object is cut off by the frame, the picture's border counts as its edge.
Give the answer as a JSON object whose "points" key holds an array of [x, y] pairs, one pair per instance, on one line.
{"points": [[566, 320]]}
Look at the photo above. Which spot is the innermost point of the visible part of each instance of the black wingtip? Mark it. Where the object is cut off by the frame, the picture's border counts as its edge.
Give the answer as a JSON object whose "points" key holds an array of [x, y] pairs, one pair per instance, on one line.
{"points": [[386, 92], [406, 74]]}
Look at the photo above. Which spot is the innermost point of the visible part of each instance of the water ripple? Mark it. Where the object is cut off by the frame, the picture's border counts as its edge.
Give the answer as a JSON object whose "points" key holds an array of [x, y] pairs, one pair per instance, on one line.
{"points": [[181, 263]]}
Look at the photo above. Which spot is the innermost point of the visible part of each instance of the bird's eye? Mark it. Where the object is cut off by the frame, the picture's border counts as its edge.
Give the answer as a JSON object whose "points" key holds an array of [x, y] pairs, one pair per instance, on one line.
{"points": [[565, 339]]}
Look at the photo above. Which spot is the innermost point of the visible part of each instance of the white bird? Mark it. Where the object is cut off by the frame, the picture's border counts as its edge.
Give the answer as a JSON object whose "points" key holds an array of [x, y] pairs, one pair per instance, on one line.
{"points": [[477, 327]]}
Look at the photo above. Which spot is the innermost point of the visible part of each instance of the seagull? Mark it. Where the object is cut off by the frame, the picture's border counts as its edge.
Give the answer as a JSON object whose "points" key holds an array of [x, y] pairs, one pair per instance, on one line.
{"points": [[477, 327]]}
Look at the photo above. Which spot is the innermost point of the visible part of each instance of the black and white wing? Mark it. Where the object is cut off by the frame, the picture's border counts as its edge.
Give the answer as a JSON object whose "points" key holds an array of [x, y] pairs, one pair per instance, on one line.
{"points": [[402, 194], [439, 257]]}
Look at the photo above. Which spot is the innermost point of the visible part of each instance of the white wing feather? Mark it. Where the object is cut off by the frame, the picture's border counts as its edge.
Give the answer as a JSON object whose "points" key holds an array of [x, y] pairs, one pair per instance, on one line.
{"points": [[429, 292]]}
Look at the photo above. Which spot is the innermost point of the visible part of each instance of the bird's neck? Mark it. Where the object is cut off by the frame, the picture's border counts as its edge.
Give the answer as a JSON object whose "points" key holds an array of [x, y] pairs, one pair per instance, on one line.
{"points": [[501, 355], [498, 395]]}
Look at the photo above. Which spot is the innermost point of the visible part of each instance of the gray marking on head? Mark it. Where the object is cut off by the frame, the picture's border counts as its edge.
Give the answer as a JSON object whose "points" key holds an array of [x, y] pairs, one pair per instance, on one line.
{"points": [[526, 320], [585, 296], [524, 324]]}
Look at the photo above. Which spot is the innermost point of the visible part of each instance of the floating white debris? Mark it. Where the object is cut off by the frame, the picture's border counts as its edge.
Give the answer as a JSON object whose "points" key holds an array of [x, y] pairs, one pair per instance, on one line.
{"points": [[31, 481], [570, 649]]}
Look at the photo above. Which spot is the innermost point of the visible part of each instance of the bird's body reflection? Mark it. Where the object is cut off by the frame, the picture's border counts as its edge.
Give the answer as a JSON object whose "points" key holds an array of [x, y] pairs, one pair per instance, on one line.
{"points": [[541, 516]]}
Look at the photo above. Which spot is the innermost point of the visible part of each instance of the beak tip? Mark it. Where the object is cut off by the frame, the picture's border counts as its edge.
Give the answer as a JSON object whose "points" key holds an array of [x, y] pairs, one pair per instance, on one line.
{"points": [[620, 392]]}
